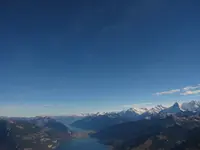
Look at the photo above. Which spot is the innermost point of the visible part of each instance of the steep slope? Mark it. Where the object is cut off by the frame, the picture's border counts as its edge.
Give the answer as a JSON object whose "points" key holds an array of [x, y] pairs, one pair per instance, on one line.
{"points": [[6, 141], [24, 134], [192, 141], [100, 121], [132, 134], [151, 134], [191, 106], [133, 128], [132, 113], [175, 108], [156, 109], [152, 112]]}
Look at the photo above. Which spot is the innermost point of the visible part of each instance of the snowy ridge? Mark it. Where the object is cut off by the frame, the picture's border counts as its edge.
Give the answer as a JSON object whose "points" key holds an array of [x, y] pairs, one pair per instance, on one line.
{"points": [[133, 114], [136, 110], [156, 109], [191, 106]]}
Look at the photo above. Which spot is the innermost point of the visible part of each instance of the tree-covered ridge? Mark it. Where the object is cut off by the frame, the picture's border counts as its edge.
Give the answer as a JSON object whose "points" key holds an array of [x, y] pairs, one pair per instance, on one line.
{"points": [[172, 132], [27, 135]]}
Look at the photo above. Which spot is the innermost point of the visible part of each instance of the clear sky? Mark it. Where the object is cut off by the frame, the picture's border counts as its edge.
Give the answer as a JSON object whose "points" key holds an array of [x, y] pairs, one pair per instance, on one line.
{"points": [[78, 56]]}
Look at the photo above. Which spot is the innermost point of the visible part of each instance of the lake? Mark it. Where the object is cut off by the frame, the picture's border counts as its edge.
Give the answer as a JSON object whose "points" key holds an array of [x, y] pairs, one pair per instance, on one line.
{"points": [[83, 143]]}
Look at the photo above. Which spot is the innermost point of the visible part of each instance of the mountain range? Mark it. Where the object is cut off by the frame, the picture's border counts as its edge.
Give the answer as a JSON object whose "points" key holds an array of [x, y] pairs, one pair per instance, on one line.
{"points": [[160, 128], [169, 133], [171, 128], [37, 133], [100, 121]]}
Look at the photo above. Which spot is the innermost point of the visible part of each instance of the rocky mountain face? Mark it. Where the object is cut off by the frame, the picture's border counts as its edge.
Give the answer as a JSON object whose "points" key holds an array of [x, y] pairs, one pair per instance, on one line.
{"points": [[175, 108], [102, 120], [167, 133], [156, 109], [28, 134], [191, 106], [99, 122], [6, 142]]}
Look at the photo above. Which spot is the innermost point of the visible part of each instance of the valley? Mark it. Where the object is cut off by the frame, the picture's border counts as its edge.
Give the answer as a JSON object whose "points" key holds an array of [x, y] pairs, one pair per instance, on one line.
{"points": [[169, 128]]}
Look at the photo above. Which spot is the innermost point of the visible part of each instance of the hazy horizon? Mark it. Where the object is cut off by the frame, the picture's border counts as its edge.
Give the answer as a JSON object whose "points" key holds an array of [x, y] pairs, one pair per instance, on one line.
{"points": [[64, 113]]}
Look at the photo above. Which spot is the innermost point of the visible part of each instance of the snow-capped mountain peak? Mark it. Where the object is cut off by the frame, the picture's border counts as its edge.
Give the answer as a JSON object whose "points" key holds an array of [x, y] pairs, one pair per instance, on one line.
{"points": [[175, 108], [156, 109], [176, 104], [138, 113], [191, 106], [160, 107], [137, 110]]}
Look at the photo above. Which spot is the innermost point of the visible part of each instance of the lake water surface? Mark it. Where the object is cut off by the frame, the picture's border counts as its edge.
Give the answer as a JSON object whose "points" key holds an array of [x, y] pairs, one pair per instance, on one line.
{"points": [[83, 143]]}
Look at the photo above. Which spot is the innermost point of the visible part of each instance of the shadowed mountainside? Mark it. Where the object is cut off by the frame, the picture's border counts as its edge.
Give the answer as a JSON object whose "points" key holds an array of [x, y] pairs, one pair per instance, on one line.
{"points": [[166, 133], [25, 134]]}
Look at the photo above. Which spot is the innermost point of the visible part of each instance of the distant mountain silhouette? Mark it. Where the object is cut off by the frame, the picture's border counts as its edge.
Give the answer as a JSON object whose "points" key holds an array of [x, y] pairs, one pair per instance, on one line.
{"points": [[102, 120]]}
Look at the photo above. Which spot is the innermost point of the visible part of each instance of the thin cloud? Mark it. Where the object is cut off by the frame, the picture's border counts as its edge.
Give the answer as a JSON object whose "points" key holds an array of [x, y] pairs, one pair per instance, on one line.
{"points": [[188, 88], [167, 92], [190, 92]]}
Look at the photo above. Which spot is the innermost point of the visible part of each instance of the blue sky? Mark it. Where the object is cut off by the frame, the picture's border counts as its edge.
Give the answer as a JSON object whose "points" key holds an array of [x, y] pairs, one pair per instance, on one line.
{"points": [[71, 57]]}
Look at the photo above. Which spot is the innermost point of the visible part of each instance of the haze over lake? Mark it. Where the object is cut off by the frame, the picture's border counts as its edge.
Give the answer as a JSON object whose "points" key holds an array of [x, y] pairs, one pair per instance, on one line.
{"points": [[83, 143]]}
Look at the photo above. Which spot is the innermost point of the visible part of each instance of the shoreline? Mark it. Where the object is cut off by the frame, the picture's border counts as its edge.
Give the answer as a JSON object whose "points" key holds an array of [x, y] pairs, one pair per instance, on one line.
{"points": [[82, 137]]}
